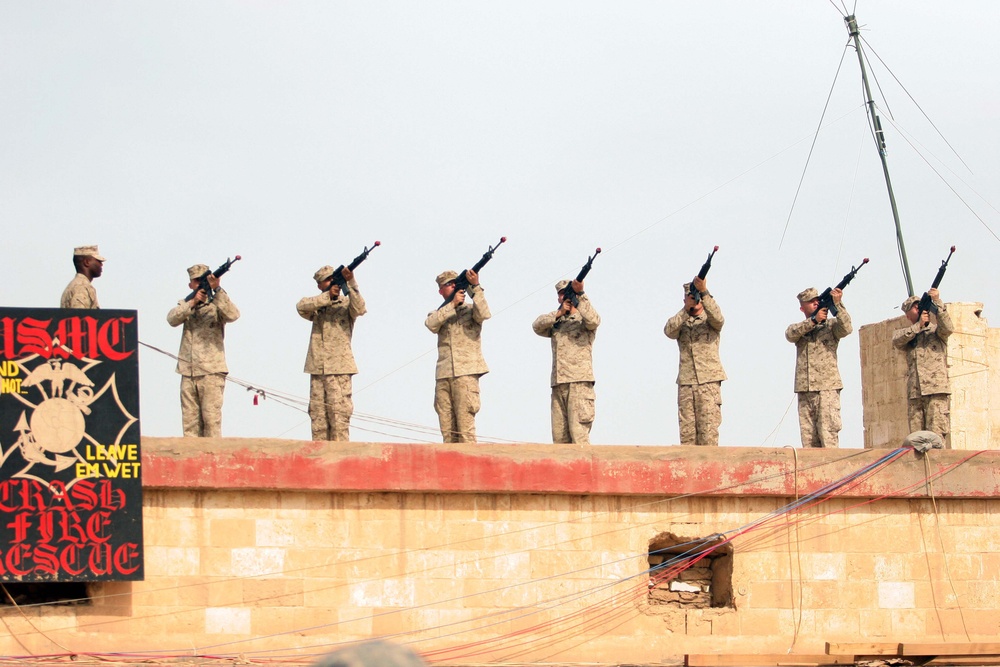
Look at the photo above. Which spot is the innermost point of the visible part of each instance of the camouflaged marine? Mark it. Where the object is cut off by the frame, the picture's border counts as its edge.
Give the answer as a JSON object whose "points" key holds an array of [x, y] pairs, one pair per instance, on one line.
{"points": [[80, 293], [696, 328], [201, 361], [927, 386], [817, 376], [330, 359], [460, 361], [572, 331]]}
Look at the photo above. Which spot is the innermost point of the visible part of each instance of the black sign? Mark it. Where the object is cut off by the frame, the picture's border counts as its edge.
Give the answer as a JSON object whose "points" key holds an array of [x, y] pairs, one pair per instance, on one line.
{"points": [[70, 456]]}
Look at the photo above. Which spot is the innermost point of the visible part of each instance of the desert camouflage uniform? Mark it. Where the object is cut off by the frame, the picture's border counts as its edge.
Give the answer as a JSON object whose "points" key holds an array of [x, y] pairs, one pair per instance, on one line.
{"points": [[572, 378], [927, 385], [80, 293], [817, 376], [330, 360], [700, 375], [202, 361], [460, 364]]}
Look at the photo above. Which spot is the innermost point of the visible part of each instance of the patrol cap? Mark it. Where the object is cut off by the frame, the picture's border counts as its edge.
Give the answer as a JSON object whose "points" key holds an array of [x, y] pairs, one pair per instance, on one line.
{"points": [[807, 295], [909, 302], [445, 278], [561, 285], [88, 251], [197, 271], [323, 273]]}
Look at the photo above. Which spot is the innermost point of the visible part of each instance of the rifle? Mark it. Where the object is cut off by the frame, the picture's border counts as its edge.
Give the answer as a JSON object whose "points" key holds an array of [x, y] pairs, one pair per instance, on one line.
{"points": [[695, 294], [203, 280], [826, 299], [337, 277], [462, 282], [569, 292], [925, 301]]}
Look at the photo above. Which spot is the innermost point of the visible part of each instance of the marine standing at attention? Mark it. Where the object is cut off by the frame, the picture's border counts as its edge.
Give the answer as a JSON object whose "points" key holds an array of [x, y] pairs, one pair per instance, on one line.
{"points": [[460, 361], [928, 389], [201, 360], [80, 292], [817, 376], [330, 359], [572, 330], [696, 328]]}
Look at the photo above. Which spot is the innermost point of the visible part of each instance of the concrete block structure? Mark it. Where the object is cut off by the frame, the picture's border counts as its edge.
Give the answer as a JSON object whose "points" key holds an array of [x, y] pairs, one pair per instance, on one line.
{"points": [[974, 369], [515, 554]]}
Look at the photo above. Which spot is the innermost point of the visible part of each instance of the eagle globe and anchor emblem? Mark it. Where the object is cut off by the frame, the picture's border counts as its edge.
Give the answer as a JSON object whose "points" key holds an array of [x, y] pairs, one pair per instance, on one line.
{"points": [[50, 430]]}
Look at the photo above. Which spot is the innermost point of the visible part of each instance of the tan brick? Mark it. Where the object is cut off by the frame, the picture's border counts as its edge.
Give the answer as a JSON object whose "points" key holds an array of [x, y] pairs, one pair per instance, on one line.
{"points": [[858, 594], [767, 566], [223, 592], [839, 624], [876, 623], [493, 595], [908, 624], [388, 622], [262, 592], [439, 592], [822, 594], [276, 619], [173, 561], [772, 595], [254, 562], [232, 533], [761, 622], [170, 592], [311, 562], [362, 563], [323, 593], [570, 565]]}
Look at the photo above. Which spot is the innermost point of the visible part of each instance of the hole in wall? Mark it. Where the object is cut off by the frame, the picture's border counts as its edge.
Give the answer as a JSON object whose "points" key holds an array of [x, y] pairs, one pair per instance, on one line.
{"points": [[690, 572]]}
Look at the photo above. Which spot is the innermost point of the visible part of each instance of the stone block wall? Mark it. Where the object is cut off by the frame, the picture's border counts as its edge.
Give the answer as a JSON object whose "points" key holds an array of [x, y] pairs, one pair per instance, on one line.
{"points": [[518, 568], [973, 366]]}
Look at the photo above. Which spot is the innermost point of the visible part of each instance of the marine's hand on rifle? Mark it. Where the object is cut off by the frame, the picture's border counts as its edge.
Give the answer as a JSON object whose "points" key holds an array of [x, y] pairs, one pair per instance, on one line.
{"points": [[459, 298], [577, 286], [820, 315], [200, 297], [565, 308], [348, 274], [700, 284], [473, 279], [837, 295], [213, 282], [925, 319], [934, 294]]}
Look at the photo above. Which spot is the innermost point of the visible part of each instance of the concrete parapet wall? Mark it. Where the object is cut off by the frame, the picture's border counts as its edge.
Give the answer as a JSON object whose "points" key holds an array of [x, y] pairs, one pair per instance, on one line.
{"points": [[973, 367], [536, 553]]}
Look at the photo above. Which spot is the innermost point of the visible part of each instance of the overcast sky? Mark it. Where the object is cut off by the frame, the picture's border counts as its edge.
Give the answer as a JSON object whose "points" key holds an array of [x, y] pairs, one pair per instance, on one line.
{"points": [[295, 133]]}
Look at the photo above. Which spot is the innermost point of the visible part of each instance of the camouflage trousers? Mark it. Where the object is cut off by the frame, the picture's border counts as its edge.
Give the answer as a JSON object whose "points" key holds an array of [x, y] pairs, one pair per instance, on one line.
{"points": [[819, 418], [931, 413], [201, 405], [331, 405], [572, 412], [456, 401], [699, 412]]}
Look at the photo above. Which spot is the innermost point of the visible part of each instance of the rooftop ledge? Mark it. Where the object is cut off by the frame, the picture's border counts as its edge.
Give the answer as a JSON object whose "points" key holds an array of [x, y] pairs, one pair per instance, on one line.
{"points": [[294, 465]]}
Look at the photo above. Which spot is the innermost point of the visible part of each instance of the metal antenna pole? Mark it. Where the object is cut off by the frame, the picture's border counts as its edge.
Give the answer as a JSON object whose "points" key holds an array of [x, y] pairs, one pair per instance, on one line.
{"points": [[852, 29]]}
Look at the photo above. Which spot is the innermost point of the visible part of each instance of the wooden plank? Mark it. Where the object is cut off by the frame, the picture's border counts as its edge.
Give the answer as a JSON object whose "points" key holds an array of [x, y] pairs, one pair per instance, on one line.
{"points": [[960, 660], [765, 660], [872, 648], [949, 648]]}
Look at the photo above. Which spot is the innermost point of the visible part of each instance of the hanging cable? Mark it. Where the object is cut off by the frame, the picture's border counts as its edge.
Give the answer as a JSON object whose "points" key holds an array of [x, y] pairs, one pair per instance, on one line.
{"points": [[812, 147]]}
